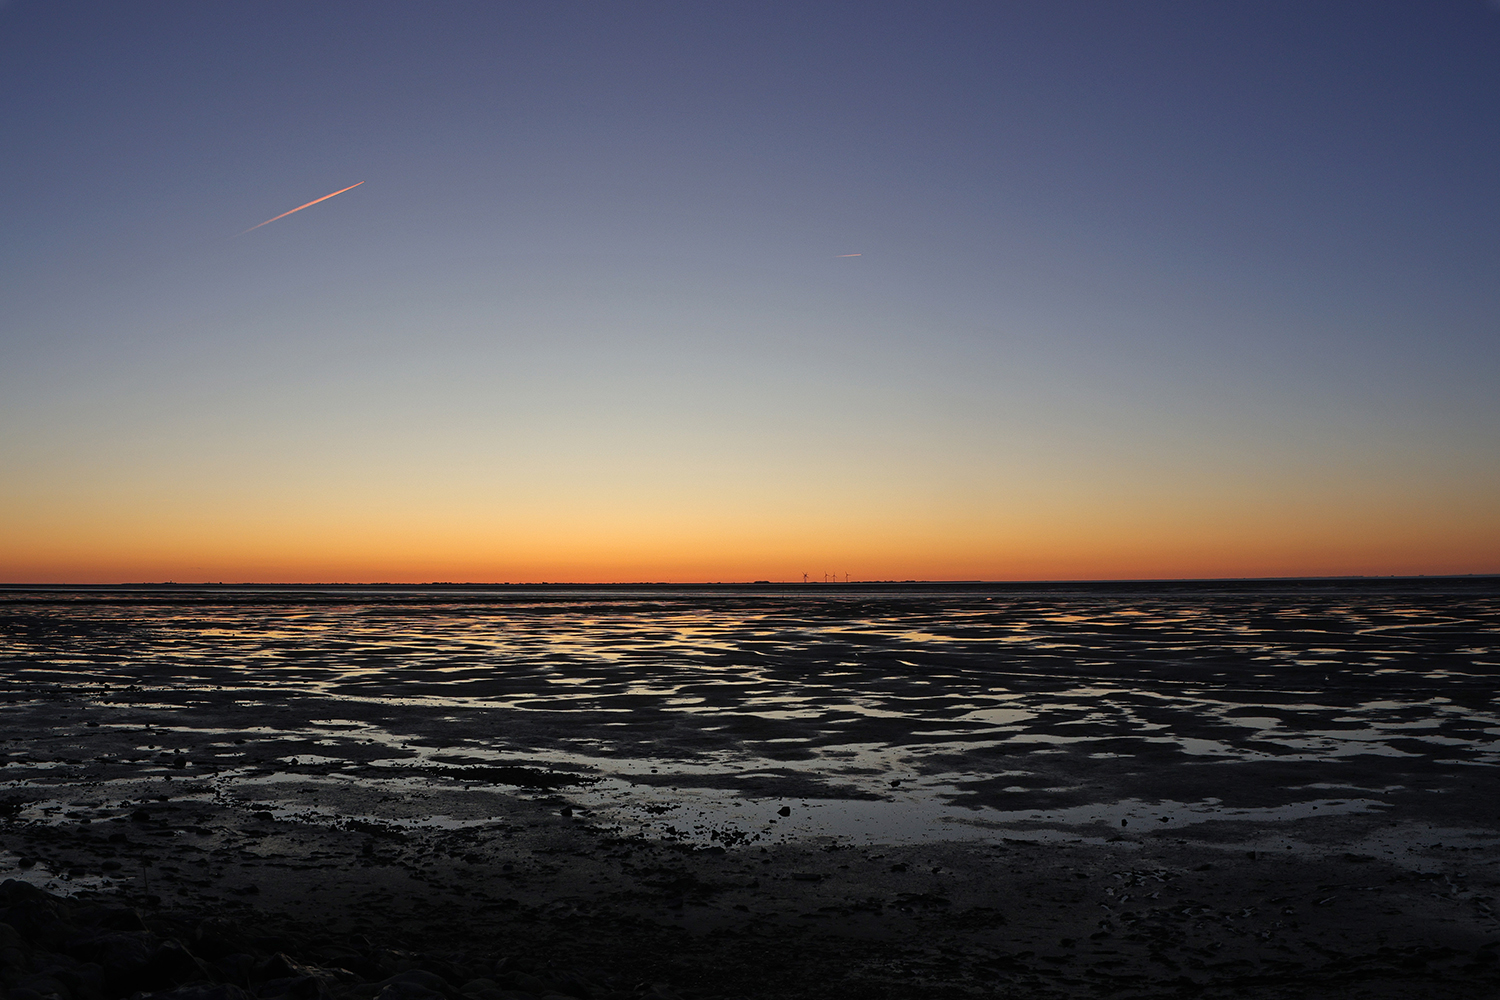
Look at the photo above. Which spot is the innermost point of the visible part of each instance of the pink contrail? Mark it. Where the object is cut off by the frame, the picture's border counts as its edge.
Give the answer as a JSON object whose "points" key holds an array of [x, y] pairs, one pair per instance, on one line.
{"points": [[299, 208], [836, 255]]}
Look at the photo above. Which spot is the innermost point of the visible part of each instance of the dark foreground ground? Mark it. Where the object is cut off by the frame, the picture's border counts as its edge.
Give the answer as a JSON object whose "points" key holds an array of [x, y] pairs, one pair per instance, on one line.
{"points": [[1269, 794], [204, 899]]}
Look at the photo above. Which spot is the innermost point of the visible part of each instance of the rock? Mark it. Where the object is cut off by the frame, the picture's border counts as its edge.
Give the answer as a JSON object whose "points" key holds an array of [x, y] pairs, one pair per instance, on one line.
{"points": [[13, 948], [573, 985], [125, 956], [41, 985], [417, 983], [238, 968], [294, 988], [215, 937], [204, 991], [173, 964], [117, 918], [279, 966], [84, 980], [406, 991], [22, 993], [529, 983]]}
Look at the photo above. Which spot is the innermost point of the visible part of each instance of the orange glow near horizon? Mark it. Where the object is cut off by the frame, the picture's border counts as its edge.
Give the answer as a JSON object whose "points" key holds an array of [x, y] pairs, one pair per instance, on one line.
{"points": [[224, 544], [595, 503]]}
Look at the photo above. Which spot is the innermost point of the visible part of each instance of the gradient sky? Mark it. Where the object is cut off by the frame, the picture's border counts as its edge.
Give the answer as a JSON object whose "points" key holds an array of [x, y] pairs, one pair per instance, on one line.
{"points": [[1145, 290]]}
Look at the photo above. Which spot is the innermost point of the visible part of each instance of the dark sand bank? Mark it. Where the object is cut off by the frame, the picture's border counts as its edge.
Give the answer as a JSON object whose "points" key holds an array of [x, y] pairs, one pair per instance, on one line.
{"points": [[1160, 795], [544, 895]]}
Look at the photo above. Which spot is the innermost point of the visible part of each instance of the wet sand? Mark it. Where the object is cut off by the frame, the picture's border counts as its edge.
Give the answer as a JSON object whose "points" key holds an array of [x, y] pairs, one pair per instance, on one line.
{"points": [[1142, 915], [465, 825]]}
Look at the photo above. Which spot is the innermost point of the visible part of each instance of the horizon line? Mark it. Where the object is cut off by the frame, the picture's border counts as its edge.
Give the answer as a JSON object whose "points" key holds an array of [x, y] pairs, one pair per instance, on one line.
{"points": [[810, 584]]}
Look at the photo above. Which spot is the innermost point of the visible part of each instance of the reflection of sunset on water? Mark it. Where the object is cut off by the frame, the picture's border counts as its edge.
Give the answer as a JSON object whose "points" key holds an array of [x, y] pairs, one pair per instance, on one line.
{"points": [[889, 711]]}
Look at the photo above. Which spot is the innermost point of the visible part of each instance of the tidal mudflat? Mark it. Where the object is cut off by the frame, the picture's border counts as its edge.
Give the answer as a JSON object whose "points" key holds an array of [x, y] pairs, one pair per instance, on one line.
{"points": [[1218, 789]]}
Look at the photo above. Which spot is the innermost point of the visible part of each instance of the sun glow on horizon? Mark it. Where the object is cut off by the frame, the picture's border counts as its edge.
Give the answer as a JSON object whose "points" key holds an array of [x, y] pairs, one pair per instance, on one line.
{"points": [[346, 540]]}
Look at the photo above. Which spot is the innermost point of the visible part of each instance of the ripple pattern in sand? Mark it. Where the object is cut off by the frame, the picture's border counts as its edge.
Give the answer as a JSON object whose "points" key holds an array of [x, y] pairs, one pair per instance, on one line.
{"points": [[1001, 704]]}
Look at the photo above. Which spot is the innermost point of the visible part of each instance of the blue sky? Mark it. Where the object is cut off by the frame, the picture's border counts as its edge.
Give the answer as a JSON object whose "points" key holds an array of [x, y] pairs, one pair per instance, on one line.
{"points": [[1143, 289]]}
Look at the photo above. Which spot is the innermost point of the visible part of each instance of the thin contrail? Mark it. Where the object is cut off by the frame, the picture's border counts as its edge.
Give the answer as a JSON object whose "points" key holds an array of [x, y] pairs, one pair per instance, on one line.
{"points": [[836, 255], [299, 208]]}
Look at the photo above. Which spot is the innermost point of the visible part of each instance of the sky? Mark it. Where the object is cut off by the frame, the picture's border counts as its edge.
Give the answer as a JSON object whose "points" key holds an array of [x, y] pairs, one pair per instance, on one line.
{"points": [[1142, 290]]}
